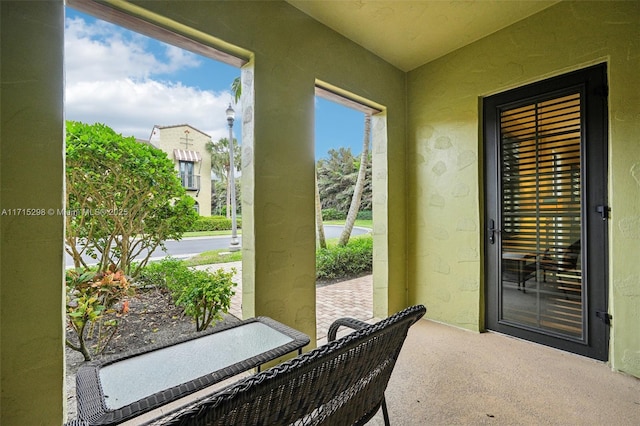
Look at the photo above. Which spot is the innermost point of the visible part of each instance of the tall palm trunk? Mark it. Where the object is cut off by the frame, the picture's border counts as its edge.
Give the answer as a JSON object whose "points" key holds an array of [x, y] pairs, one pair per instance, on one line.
{"points": [[319, 225], [359, 189]]}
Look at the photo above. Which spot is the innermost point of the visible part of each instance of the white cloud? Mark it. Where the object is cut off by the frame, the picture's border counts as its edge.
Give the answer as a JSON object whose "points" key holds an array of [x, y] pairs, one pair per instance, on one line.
{"points": [[133, 108], [113, 78]]}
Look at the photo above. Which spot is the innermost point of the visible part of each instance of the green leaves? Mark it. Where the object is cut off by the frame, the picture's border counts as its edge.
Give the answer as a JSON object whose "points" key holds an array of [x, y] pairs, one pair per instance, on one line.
{"points": [[204, 295], [337, 176], [213, 223], [345, 261], [89, 296], [219, 152], [123, 197]]}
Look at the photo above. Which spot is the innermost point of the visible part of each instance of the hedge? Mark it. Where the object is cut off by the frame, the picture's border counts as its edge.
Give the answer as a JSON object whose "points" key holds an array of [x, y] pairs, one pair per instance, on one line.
{"points": [[214, 223], [356, 258], [333, 214]]}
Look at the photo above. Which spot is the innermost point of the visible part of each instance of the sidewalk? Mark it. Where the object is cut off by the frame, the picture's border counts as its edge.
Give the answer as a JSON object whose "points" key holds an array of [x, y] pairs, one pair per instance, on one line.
{"points": [[351, 298]]}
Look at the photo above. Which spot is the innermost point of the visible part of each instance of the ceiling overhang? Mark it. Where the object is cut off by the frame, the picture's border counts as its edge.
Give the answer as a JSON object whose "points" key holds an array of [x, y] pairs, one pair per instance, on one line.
{"points": [[408, 34]]}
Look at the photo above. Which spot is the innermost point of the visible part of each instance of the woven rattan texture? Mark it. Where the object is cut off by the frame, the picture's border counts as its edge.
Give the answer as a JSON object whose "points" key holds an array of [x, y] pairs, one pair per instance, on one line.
{"points": [[340, 383], [91, 400]]}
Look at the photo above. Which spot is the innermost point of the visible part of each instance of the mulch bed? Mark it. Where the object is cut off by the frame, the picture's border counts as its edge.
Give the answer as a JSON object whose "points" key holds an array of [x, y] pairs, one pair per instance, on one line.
{"points": [[152, 319]]}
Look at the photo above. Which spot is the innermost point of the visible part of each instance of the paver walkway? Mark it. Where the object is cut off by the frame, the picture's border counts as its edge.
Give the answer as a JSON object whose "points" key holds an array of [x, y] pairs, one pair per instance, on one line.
{"points": [[351, 298]]}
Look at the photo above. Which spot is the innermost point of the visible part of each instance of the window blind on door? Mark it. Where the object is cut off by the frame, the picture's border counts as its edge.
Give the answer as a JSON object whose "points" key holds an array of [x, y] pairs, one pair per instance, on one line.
{"points": [[541, 213]]}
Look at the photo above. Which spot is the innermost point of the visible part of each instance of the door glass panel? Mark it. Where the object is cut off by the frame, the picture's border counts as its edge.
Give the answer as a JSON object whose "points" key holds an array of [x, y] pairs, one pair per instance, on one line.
{"points": [[541, 273]]}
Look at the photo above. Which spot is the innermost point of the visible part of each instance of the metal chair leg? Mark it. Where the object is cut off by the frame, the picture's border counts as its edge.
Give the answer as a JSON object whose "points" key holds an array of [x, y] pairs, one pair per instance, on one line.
{"points": [[385, 413]]}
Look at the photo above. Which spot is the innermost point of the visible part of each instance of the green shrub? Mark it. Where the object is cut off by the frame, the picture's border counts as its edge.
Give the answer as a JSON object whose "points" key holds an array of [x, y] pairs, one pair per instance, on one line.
{"points": [[333, 214], [203, 295], [365, 215], [354, 259], [161, 274], [214, 223]]}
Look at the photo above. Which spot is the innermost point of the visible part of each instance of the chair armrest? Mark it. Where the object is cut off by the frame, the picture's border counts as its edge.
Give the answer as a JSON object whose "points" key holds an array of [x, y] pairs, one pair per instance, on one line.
{"points": [[347, 322]]}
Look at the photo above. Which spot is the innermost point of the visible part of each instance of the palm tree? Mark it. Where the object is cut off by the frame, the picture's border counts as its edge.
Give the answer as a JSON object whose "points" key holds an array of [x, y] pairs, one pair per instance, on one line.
{"points": [[236, 89], [219, 152], [322, 241], [359, 188], [337, 176]]}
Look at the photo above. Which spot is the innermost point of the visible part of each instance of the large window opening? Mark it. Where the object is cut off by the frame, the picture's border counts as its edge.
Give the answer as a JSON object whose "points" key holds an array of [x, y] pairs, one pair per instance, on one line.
{"points": [[344, 210], [162, 92]]}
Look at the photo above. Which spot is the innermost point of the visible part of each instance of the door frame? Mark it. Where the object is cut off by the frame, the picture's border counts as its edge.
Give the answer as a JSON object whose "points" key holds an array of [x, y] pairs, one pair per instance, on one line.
{"points": [[592, 82]]}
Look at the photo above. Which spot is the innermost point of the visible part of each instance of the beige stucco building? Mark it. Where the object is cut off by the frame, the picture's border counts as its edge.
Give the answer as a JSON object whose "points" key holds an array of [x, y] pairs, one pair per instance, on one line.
{"points": [[430, 173], [186, 146]]}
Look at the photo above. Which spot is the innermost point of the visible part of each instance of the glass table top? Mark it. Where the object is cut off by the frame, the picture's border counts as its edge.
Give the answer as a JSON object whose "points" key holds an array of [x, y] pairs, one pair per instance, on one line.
{"points": [[132, 379]]}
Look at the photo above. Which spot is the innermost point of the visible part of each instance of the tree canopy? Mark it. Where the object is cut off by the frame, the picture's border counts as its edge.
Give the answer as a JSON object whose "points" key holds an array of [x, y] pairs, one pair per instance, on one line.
{"points": [[124, 198], [220, 165], [337, 176]]}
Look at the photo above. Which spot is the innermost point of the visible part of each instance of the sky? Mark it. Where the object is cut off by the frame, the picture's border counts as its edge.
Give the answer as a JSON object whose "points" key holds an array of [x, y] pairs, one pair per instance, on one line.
{"points": [[131, 83]]}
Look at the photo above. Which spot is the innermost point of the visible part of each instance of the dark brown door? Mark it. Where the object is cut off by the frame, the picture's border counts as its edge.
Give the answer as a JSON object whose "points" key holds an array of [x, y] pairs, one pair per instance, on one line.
{"points": [[546, 212]]}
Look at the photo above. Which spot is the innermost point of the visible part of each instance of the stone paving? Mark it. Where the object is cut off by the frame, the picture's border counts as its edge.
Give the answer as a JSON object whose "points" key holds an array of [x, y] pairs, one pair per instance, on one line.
{"points": [[352, 298]]}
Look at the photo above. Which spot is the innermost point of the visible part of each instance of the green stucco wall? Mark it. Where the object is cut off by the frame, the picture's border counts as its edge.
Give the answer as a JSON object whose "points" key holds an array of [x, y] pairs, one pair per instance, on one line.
{"points": [[445, 156], [31, 176], [289, 52], [435, 241]]}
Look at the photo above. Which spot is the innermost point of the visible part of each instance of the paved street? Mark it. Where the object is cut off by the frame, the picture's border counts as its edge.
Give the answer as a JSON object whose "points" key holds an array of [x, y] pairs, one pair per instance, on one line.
{"points": [[188, 247]]}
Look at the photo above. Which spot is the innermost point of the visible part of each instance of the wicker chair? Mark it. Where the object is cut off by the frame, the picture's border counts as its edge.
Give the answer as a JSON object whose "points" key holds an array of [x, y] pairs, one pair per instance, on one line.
{"points": [[566, 260], [340, 383]]}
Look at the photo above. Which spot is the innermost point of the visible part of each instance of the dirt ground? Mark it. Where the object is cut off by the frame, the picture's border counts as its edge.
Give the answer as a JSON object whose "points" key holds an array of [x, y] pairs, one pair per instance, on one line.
{"points": [[152, 319]]}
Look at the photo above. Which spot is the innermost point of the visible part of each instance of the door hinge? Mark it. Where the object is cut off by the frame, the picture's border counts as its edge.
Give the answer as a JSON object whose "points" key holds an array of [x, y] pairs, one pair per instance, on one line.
{"points": [[604, 316], [492, 230], [603, 210]]}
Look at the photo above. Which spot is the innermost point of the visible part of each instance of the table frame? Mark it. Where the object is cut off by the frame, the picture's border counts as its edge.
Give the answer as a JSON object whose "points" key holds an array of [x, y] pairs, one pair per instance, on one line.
{"points": [[91, 400], [523, 260]]}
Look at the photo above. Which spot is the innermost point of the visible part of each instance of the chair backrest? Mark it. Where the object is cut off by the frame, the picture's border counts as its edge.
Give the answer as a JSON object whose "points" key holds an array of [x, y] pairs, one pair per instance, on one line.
{"points": [[570, 256], [567, 258], [342, 382]]}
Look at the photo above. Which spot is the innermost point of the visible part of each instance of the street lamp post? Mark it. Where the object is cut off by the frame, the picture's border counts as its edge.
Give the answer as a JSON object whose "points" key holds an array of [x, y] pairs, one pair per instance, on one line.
{"points": [[235, 244]]}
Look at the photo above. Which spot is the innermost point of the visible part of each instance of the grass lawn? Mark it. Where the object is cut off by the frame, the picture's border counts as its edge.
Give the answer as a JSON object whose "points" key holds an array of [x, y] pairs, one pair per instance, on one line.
{"points": [[364, 223], [208, 233], [214, 256]]}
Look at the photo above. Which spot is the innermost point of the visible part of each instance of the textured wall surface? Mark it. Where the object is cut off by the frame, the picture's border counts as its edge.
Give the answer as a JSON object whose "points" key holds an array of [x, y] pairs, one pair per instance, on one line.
{"points": [[445, 156], [31, 177], [289, 53], [427, 189]]}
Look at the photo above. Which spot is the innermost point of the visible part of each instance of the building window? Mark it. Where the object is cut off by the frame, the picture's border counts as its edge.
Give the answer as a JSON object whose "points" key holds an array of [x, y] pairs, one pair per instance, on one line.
{"points": [[189, 180]]}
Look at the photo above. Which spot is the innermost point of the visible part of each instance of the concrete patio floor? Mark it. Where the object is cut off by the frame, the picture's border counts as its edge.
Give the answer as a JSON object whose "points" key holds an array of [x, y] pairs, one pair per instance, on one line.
{"points": [[449, 376]]}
